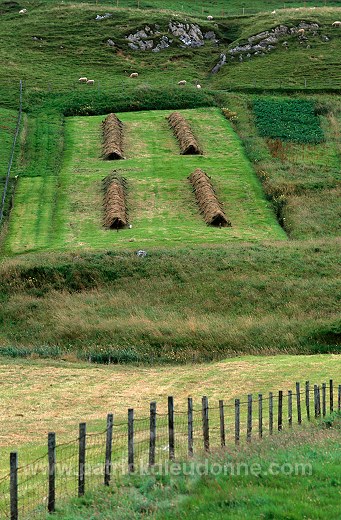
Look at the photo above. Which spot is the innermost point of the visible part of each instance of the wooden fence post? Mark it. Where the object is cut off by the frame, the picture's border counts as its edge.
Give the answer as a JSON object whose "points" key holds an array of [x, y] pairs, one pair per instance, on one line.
{"points": [[237, 420], [318, 401], [190, 427], [205, 423], [298, 400], [331, 396], [13, 463], [81, 459], [307, 399], [222, 423], [131, 467], [271, 413], [51, 446], [315, 402], [152, 434], [290, 408], [260, 416], [171, 428], [339, 398], [324, 403], [280, 410], [249, 418], [108, 449]]}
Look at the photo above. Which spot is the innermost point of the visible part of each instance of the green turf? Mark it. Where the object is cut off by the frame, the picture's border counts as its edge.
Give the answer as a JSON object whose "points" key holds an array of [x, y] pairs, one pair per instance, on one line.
{"points": [[163, 211]]}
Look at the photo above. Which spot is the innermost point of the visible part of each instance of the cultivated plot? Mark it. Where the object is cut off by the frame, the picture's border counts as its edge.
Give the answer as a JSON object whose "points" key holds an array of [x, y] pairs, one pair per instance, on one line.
{"points": [[161, 204]]}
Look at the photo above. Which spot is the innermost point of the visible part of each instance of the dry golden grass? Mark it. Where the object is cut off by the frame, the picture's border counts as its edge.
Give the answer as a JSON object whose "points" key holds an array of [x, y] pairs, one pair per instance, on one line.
{"points": [[40, 396]]}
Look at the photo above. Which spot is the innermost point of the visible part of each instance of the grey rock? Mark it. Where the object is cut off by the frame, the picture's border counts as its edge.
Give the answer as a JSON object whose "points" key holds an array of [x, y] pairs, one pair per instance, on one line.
{"points": [[111, 43], [133, 46], [210, 35], [324, 38]]}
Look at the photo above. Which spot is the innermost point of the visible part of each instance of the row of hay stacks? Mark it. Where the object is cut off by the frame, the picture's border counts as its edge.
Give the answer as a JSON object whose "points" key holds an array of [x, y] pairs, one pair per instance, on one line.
{"points": [[115, 207], [112, 129], [208, 203], [183, 132]]}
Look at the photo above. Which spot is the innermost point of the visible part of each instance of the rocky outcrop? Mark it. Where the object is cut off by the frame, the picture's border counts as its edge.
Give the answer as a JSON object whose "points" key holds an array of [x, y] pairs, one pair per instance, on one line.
{"points": [[184, 35], [262, 43]]}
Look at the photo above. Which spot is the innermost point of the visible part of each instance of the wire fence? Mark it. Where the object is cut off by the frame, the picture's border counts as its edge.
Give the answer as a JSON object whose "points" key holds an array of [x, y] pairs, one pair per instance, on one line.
{"points": [[10, 162], [142, 443]]}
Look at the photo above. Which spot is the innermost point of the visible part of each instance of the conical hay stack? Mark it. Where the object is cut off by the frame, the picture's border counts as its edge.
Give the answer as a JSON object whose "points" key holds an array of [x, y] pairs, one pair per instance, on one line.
{"points": [[207, 200], [112, 138], [114, 202], [182, 131]]}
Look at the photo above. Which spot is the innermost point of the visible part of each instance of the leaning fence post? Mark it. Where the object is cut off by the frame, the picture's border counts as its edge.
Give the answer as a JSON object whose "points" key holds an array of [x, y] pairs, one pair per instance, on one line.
{"points": [[152, 435], [290, 408], [324, 404], [307, 399], [13, 462], [108, 449], [249, 418], [51, 444], [260, 415], [237, 421], [205, 424], [331, 396], [131, 440], [190, 426], [298, 399], [222, 423], [280, 410], [171, 436]]}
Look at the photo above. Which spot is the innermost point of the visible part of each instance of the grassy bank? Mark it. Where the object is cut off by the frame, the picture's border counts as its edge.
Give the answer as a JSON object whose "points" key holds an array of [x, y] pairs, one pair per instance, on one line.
{"points": [[194, 304], [305, 485]]}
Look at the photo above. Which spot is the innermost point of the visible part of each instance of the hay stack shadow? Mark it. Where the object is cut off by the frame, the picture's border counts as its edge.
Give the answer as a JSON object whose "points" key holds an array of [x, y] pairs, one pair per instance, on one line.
{"points": [[112, 129], [207, 200], [183, 132], [114, 202]]}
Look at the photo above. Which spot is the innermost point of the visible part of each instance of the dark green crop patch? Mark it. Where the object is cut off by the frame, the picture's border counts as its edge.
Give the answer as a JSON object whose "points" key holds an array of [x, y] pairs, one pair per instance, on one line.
{"points": [[289, 120]]}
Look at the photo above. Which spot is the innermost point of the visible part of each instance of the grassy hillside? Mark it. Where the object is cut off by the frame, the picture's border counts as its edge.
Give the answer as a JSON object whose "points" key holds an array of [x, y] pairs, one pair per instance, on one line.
{"points": [[180, 305], [163, 210]]}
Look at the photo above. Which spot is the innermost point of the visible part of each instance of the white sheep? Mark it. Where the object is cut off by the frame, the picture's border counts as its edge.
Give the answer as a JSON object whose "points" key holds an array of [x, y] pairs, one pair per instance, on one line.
{"points": [[23, 11], [210, 18], [336, 24], [182, 82], [134, 75], [198, 86], [83, 80], [90, 82], [301, 32], [273, 12]]}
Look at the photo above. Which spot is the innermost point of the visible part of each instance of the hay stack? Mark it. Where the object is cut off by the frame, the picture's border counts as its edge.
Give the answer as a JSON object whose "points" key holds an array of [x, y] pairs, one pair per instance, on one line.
{"points": [[183, 133], [115, 209], [112, 138], [207, 200]]}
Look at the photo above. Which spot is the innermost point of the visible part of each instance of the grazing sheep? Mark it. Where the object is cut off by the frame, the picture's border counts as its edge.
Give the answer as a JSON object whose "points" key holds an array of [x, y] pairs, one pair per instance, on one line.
{"points": [[182, 82], [134, 75], [300, 32], [273, 12], [23, 11], [90, 82], [210, 18], [336, 24], [198, 86], [83, 80]]}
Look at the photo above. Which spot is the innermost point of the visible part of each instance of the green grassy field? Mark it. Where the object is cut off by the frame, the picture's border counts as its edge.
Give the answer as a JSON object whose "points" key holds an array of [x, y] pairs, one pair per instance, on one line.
{"points": [[163, 210], [311, 492]]}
